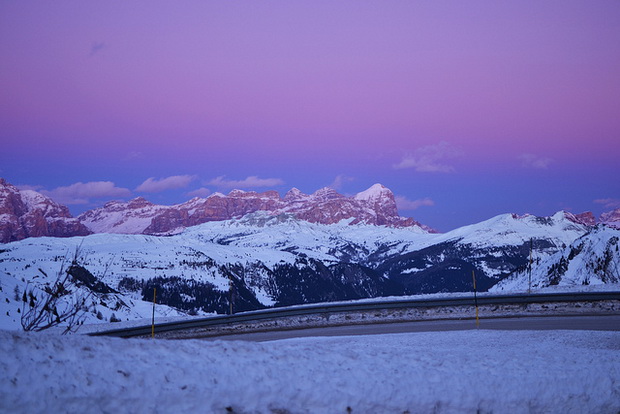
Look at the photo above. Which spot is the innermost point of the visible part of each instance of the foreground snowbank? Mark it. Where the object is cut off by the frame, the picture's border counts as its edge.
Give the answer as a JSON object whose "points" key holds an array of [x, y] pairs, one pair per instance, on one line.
{"points": [[468, 371]]}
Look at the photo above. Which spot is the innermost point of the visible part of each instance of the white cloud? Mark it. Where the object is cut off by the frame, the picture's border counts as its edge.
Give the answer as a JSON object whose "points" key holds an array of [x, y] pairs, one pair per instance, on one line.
{"points": [[430, 158], [152, 185], [535, 161], [339, 181], [201, 192], [81, 193], [404, 204], [608, 202], [251, 181]]}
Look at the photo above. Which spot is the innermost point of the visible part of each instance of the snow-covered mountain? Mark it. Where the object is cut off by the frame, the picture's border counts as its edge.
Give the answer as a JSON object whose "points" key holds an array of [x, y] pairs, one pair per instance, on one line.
{"points": [[612, 218], [277, 260], [326, 206], [27, 213], [591, 259], [274, 251]]}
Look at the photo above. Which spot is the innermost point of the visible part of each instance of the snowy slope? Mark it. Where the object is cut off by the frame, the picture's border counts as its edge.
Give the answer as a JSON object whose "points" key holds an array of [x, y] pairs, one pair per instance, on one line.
{"points": [[510, 229], [197, 255], [592, 259], [132, 217], [281, 260], [436, 372]]}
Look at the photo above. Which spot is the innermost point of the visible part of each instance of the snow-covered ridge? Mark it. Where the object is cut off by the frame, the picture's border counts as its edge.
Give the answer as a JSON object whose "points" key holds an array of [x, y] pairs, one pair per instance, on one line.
{"points": [[511, 229], [592, 259], [274, 256]]}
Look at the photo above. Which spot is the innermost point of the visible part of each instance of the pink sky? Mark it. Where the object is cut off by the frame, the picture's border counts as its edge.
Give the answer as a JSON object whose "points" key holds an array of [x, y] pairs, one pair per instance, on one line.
{"points": [[425, 97]]}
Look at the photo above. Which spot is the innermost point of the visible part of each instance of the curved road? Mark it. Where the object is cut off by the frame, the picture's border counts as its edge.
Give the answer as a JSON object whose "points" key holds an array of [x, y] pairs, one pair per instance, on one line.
{"points": [[598, 323]]}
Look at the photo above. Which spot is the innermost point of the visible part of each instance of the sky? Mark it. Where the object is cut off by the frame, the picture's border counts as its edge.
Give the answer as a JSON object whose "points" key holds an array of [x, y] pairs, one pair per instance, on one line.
{"points": [[465, 110]]}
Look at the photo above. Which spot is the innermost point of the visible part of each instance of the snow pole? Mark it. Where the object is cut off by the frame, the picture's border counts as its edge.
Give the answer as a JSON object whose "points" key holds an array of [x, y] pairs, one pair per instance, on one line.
{"points": [[153, 317], [529, 271], [473, 276], [230, 294]]}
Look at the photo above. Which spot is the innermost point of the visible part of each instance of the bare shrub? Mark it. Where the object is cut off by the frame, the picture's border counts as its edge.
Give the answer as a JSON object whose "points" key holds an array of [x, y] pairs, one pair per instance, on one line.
{"points": [[57, 303]]}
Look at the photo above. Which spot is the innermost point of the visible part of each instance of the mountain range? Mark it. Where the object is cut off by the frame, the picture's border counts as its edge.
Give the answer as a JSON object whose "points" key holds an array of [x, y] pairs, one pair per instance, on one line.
{"points": [[27, 213], [293, 250]]}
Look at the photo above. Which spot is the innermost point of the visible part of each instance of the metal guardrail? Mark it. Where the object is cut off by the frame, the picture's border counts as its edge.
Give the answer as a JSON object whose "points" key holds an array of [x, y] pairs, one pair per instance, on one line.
{"points": [[327, 308]]}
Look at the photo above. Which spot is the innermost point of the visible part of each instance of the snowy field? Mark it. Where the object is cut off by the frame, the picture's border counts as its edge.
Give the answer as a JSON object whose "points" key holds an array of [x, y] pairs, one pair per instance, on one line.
{"points": [[437, 372]]}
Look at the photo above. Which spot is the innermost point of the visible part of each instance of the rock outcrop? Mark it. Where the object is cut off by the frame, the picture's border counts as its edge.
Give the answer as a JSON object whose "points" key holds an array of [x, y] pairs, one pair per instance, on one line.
{"points": [[611, 218], [27, 213]]}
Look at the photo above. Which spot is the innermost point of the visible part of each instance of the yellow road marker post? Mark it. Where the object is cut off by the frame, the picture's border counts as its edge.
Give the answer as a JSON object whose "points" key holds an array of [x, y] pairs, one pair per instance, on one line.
{"points": [[473, 275], [153, 318], [529, 269]]}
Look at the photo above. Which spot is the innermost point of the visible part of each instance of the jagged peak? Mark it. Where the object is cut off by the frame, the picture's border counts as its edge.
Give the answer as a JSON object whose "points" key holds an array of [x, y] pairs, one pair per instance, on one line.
{"points": [[374, 192], [586, 218], [238, 193], [574, 218], [139, 202], [613, 216], [375, 205], [294, 194], [253, 194], [326, 193]]}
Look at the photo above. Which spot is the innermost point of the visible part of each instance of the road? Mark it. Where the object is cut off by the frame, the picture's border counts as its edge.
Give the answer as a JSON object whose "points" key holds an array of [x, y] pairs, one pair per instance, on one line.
{"points": [[598, 323]]}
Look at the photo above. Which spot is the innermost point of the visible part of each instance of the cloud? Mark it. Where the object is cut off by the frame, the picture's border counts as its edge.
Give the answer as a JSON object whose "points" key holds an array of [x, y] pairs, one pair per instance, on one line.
{"points": [[151, 185], [96, 47], [81, 193], [404, 204], [251, 181], [608, 202], [430, 158], [133, 156], [339, 181], [535, 161], [201, 192]]}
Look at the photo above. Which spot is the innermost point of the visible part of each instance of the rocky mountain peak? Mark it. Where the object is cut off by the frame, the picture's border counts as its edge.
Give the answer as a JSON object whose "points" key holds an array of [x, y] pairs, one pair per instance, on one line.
{"points": [[375, 192], [27, 213], [326, 193], [294, 194], [587, 218], [253, 194], [139, 202], [611, 218], [374, 206]]}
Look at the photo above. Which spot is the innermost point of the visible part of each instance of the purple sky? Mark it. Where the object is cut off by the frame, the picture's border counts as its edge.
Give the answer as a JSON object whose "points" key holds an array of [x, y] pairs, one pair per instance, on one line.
{"points": [[465, 110]]}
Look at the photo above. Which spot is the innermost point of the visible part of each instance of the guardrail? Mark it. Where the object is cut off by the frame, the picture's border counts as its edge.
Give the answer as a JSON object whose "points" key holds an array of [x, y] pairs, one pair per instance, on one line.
{"points": [[327, 308]]}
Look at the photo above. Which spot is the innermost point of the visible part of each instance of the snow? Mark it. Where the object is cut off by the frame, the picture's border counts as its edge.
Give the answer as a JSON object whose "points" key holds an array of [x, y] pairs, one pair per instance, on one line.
{"points": [[264, 239], [32, 199], [507, 229], [440, 372], [374, 193], [591, 259], [121, 221]]}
